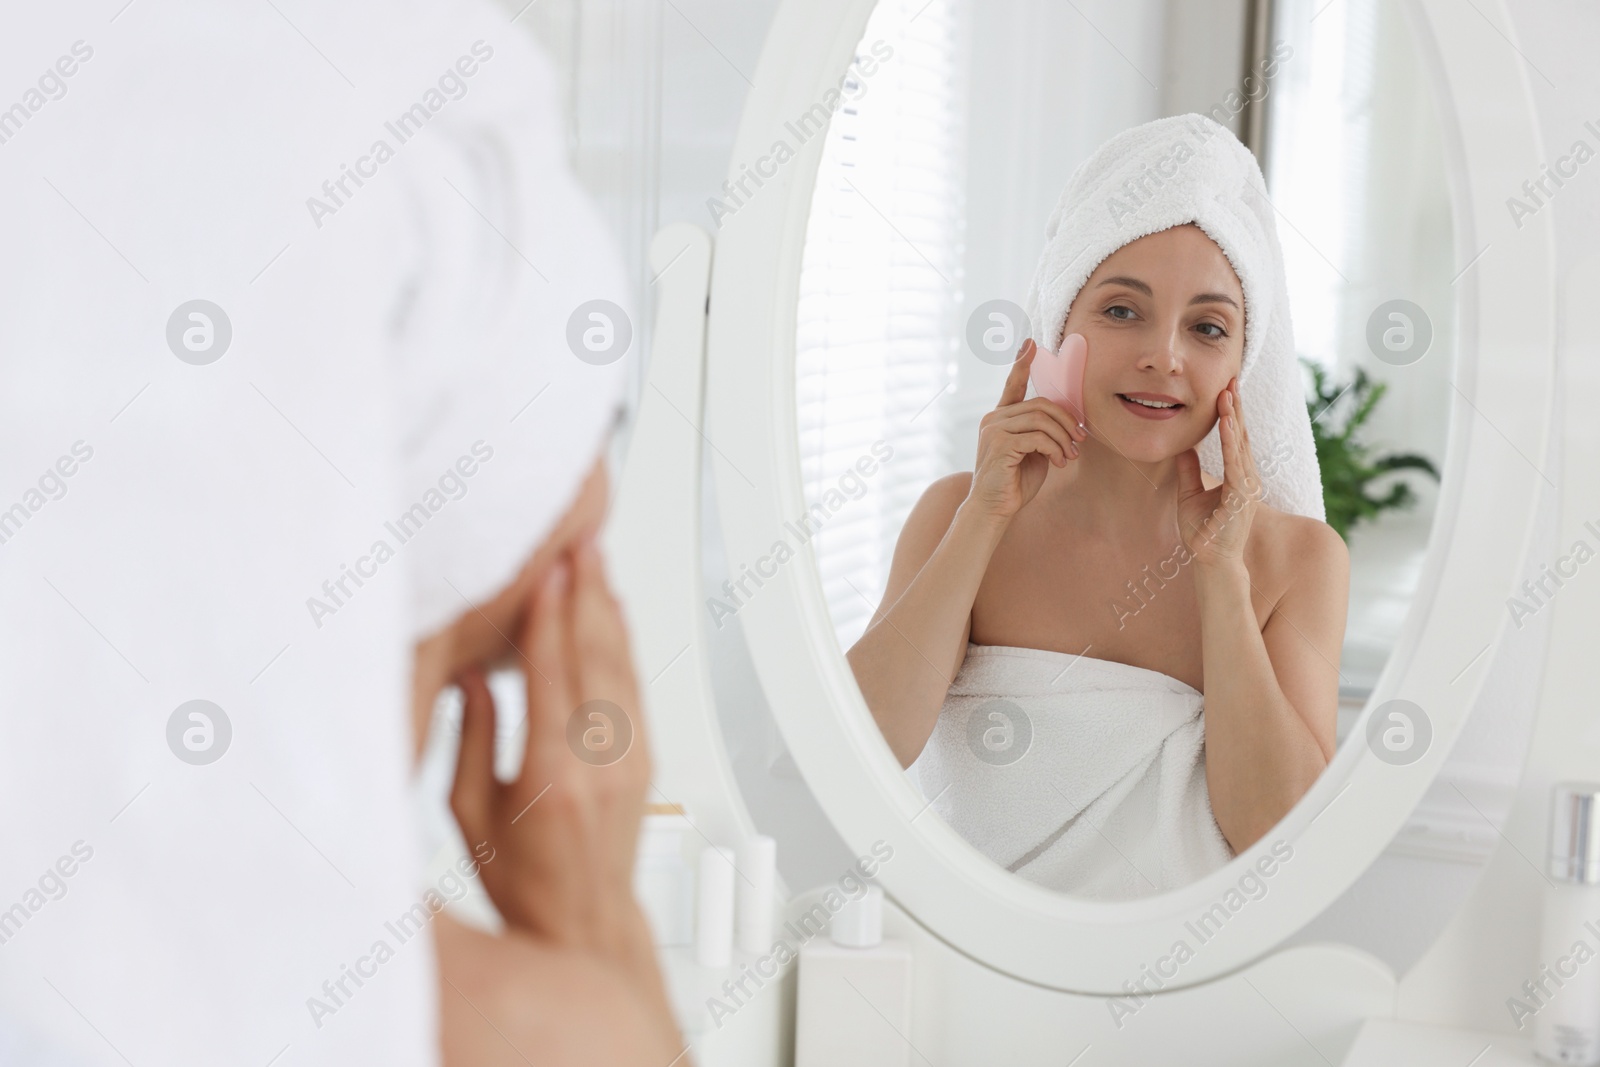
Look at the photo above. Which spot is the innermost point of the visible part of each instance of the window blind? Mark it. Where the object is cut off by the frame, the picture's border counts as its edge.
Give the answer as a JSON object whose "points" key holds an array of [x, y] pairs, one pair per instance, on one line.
{"points": [[879, 300]]}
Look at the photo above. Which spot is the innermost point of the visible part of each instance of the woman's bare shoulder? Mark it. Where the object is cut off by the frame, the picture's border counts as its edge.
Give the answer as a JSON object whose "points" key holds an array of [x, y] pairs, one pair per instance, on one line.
{"points": [[948, 491], [936, 508], [1289, 548]]}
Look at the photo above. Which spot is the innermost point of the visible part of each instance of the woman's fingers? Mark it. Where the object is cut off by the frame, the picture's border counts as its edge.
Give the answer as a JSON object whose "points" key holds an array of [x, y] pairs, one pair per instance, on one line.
{"points": [[1010, 446], [1042, 422], [601, 662], [543, 644], [1078, 430], [472, 793], [1239, 418], [1230, 446], [1045, 406], [602, 670], [1037, 441], [1016, 386], [1238, 466], [1248, 465]]}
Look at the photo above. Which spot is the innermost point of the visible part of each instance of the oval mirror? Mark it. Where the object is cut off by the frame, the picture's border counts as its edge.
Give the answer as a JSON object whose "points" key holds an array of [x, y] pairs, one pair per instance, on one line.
{"points": [[1020, 701]]}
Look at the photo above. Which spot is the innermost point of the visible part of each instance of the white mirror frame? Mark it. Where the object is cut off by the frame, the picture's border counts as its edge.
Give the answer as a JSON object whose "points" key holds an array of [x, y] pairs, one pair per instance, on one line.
{"points": [[1505, 375]]}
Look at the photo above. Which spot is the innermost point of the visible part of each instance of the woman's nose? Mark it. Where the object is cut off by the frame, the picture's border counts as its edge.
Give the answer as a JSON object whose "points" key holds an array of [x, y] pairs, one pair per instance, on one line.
{"points": [[1164, 354]]}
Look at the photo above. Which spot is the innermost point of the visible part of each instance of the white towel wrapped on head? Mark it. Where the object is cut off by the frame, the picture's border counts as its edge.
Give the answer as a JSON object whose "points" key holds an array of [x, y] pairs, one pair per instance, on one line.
{"points": [[1166, 173], [169, 531]]}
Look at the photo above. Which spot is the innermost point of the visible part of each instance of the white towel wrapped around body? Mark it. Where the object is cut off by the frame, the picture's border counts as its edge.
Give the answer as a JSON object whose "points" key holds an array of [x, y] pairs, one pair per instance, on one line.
{"points": [[1083, 775]]}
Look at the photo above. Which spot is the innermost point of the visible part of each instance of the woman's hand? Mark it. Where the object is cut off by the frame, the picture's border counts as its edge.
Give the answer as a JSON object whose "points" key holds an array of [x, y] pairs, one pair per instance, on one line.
{"points": [[564, 830], [574, 974], [1215, 523], [1017, 441]]}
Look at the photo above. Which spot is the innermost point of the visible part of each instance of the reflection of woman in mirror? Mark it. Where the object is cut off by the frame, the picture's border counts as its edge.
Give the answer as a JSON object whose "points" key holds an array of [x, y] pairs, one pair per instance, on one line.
{"points": [[1112, 669]]}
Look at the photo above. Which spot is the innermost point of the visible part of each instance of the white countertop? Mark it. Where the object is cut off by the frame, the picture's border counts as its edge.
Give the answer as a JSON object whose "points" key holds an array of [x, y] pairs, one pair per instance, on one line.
{"points": [[1391, 1043]]}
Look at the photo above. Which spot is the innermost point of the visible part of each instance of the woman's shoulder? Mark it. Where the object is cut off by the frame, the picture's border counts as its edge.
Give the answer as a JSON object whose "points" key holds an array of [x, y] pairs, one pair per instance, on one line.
{"points": [[932, 515], [951, 485], [1294, 534], [1284, 546], [938, 503]]}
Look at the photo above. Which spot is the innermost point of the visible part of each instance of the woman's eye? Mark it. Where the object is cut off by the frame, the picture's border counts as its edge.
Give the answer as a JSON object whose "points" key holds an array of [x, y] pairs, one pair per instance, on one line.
{"points": [[1212, 326], [1115, 308]]}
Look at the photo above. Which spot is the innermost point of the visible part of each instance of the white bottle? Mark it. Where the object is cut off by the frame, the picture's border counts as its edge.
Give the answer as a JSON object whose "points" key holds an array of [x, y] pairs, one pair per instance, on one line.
{"points": [[758, 865], [1566, 990], [853, 1008], [713, 927], [663, 880]]}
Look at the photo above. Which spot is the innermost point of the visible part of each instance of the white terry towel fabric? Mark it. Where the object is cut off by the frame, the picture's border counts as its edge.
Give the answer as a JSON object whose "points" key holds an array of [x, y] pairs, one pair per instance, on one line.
{"points": [[1084, 775], [163, 525], [1169, 172]]}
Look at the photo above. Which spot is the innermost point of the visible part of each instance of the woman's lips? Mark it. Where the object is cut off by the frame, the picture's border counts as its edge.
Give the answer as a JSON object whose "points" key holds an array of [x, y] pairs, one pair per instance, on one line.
{"points": [[1149, 413]]}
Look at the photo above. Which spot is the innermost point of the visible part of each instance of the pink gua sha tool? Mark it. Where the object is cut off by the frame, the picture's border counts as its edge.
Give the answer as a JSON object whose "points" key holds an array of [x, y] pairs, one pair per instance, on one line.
{"points": [[1058, 376]]}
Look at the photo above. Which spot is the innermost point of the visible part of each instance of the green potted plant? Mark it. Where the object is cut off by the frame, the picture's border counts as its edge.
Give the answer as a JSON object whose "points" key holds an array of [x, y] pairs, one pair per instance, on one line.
{"points": [[1348, 467]]}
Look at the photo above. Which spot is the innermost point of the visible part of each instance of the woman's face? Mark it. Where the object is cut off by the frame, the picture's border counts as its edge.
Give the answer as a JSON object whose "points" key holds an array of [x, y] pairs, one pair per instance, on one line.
{"points": [[1164, 319]]}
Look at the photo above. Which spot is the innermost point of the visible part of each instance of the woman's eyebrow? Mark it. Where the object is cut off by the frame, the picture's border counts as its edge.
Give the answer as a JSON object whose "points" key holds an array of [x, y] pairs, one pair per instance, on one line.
{"points": [[1131, 283], [1135, 283]]}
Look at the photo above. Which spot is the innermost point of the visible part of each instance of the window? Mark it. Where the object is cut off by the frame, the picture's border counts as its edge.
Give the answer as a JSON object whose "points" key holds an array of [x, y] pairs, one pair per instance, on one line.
{"points": [[880, 298]]}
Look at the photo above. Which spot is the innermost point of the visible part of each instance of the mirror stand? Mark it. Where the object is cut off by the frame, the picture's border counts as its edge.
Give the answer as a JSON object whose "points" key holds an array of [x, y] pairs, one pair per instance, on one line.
{"points": [[652, 548]]}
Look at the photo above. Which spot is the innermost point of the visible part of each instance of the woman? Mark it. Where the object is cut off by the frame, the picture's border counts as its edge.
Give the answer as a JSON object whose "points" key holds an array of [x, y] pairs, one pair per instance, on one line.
{"points": [[1192, 592]]}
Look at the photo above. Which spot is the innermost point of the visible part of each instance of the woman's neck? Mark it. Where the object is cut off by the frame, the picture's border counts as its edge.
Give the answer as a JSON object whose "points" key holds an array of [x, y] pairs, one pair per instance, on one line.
{"points": [[1104, 490]]}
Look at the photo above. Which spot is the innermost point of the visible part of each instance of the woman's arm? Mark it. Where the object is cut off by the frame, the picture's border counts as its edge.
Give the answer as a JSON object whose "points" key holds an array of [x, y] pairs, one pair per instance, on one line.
{"points": [[1272, 695], [917, 638]]}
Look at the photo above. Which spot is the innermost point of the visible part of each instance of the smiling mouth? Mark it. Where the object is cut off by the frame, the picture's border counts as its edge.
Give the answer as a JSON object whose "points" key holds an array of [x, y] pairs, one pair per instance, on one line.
{"points": [[1156, 405]]}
